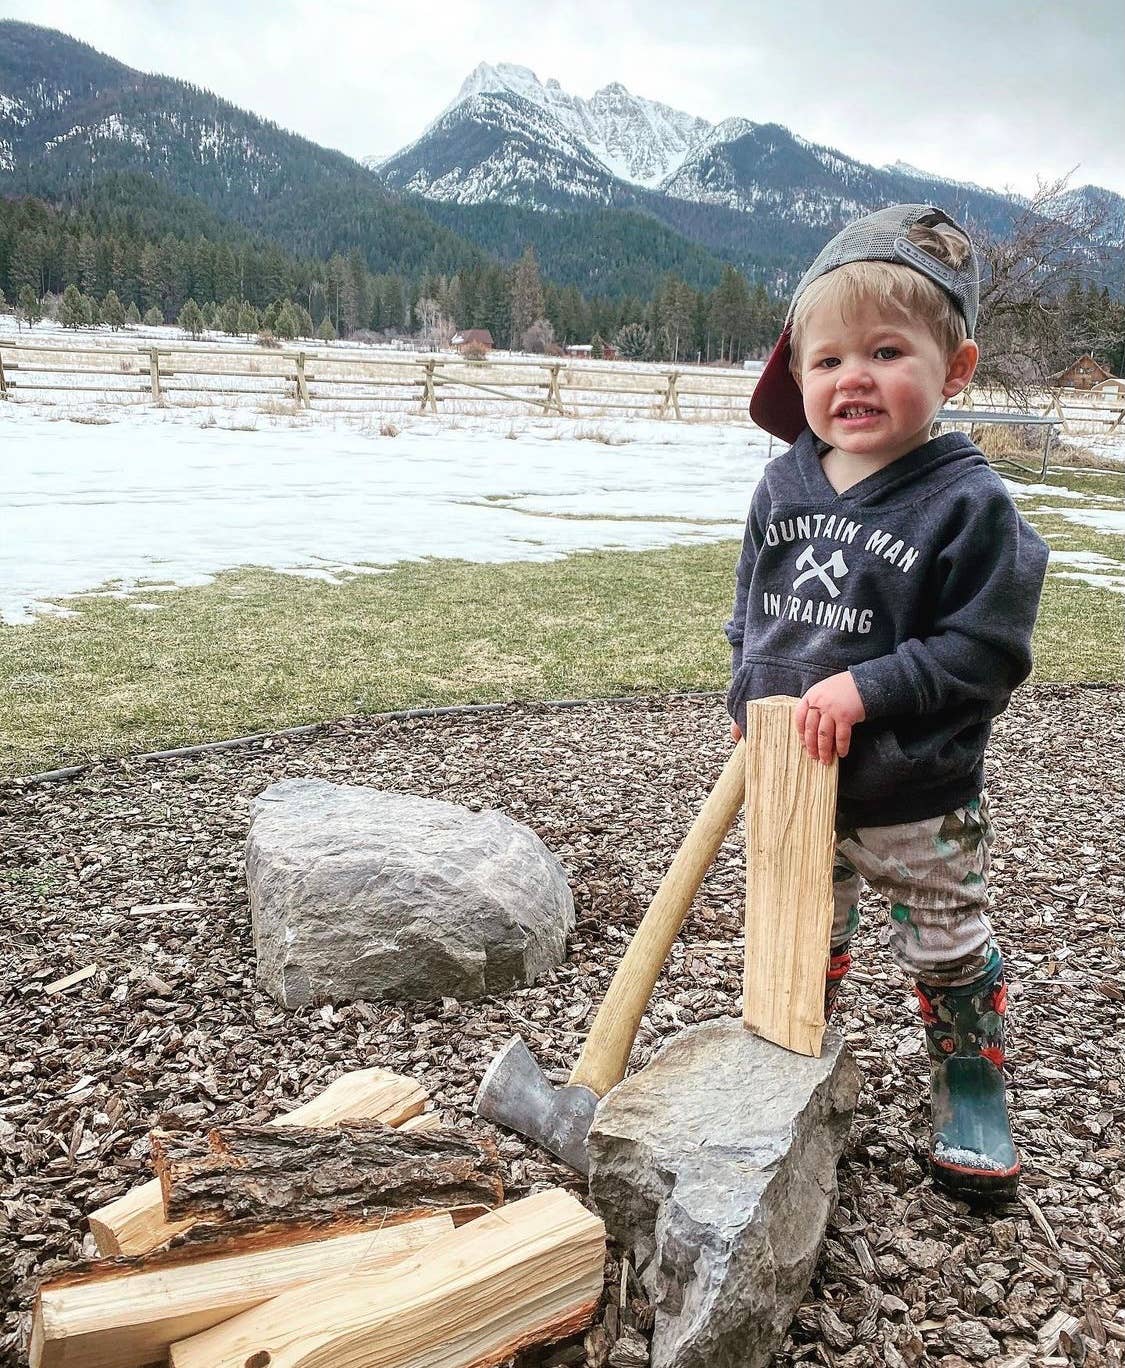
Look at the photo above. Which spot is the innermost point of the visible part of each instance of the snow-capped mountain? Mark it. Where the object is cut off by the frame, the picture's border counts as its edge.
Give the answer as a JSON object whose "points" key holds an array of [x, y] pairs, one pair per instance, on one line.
{"points": [[497, 146], [510, 138], [1102, 211], [635, 140]]}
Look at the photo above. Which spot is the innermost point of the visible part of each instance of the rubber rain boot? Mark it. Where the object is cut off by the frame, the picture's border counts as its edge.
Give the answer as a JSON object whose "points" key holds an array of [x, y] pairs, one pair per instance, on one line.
{"points": [[972, 1153], [839, 962]]}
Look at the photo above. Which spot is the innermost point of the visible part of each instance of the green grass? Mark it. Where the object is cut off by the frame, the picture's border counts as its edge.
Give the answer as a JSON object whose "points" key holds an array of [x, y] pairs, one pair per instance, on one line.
{"points": [[256, 650]]}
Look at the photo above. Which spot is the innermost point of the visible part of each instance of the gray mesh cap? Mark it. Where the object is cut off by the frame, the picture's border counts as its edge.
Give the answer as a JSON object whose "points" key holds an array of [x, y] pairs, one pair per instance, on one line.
{"points": [[776, 404]]}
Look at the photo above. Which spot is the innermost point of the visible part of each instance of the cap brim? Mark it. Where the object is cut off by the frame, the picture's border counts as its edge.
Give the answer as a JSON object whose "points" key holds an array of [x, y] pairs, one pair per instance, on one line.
{"points": [[776, 403]]}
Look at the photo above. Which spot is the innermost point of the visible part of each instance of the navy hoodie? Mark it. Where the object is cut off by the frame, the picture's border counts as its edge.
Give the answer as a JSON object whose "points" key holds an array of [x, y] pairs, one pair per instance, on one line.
{"points": [[923, 581]]}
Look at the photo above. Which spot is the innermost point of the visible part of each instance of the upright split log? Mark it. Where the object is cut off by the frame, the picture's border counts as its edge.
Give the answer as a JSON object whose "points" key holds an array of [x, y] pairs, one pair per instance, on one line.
{"points": [[790, 844], [125, 1313], [527, 1273], [135, 1223], [305, 1174]]}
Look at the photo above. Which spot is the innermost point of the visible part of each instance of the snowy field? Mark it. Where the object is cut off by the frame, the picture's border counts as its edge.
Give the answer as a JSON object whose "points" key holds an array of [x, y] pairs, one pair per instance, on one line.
{"points": [[157, 499], [136, 501]]}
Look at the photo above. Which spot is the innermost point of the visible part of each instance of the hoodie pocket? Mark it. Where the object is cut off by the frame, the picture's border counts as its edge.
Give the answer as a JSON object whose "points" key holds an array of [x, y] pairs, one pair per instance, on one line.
{"points": [[919, 753], [767, 678]]}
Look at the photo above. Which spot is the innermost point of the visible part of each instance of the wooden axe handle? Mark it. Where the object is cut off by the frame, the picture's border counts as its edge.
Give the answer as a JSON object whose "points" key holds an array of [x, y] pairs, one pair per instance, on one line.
{"points": [[605, 1055]]}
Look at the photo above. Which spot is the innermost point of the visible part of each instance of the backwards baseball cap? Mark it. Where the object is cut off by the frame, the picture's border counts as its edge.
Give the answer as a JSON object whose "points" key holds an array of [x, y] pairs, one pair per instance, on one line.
{"points": [[776, 404]]}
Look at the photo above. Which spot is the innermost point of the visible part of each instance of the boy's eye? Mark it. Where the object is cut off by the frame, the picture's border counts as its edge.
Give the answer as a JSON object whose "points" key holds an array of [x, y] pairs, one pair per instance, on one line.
{"points": [[887, 353], [828, 362]]}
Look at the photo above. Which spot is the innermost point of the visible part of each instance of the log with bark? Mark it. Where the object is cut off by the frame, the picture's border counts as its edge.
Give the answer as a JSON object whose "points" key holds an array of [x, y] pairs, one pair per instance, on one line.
{"points": [[303, 1174], [527, 1273], [126, 1312], [135, 1223]]}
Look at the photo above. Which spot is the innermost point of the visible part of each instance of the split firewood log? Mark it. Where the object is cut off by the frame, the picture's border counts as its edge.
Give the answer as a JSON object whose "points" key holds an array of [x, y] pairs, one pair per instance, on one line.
{"points": [[135, 1224], [525, 1274], [302, 1174], [125, 1312]]}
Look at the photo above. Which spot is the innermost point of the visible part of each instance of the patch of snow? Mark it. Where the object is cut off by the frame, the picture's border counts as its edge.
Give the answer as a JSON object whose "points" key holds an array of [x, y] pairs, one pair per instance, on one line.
{"points": [[15, 111], [1103, 519]]}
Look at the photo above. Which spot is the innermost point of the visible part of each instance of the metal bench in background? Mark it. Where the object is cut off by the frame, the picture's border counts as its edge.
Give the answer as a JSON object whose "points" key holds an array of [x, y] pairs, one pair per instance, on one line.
{"points": [[967, 419]]}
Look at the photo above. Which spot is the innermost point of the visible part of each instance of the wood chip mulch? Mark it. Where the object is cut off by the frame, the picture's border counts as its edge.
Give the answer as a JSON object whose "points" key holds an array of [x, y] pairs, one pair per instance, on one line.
{"points": [[172, 1029]]}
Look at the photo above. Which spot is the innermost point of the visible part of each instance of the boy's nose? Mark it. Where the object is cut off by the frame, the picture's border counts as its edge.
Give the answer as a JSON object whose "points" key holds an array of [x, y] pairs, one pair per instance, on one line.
{"points": [[853, 375]]}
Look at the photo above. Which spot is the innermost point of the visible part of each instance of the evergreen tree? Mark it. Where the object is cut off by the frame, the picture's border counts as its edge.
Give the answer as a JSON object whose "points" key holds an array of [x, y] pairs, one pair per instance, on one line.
{"points": [[29, 305], [153, 317], [191, 318], [132, 314], [87, 264], [632, 341], [304, 320], [228, 317], [597, 347], [496, 307], [72, 308], [392, 302], [152, 295], [730, 313], [326, 332], [113, 311], [526, 293], [26, 265], [286, 322], [248, 319]]}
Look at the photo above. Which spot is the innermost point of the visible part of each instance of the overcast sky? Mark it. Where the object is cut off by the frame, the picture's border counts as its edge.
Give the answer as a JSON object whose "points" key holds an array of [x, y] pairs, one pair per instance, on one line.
{"points": [[995, 91]]}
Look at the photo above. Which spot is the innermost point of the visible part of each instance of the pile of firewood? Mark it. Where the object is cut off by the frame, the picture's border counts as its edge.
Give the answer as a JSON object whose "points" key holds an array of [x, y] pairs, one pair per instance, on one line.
{"points": [[351, 1230]]}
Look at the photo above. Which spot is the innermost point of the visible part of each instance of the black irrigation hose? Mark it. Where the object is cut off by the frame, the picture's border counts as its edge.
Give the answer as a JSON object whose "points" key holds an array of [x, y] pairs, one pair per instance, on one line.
{"points": [[402, 715]]}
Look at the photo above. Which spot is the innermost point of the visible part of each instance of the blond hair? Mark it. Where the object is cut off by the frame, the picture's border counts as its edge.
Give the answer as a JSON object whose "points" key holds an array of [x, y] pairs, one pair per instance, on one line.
{"points": [[893, 289]]}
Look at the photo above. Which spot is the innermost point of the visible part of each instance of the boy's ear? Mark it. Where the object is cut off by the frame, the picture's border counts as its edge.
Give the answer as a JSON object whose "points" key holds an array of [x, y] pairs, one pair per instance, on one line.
{"points": [[961, 367]]}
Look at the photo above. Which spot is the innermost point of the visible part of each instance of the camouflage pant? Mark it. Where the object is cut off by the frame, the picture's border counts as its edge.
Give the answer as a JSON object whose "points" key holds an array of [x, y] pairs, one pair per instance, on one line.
{"points": [[934, 873]]}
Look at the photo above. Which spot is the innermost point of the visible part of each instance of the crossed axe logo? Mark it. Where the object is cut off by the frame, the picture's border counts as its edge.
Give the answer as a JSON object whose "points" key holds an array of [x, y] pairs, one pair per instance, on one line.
{"points": [[834, 565]]}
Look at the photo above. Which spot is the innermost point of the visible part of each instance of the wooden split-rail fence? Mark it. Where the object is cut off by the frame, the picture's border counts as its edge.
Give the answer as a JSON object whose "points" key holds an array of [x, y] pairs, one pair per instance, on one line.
{"points": [[347, 378], [425, 384]]}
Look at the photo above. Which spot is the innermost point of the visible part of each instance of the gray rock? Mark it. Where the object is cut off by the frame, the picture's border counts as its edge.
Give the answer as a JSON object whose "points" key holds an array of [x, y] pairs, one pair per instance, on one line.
{"points": [[716, 1165], [357, 893]]}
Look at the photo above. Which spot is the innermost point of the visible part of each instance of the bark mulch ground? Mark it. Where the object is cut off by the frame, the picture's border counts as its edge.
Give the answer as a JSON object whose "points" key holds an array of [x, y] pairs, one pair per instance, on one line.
{"points": [[173, 1029]]}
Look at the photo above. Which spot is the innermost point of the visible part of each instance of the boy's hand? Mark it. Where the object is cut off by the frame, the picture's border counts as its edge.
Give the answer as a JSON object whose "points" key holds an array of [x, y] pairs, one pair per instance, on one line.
{"points": [[735, 732], [826, 714]]}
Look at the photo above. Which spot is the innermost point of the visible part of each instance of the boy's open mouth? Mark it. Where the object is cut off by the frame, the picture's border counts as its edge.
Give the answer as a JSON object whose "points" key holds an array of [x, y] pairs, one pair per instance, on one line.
{"points": [[857, 411]]}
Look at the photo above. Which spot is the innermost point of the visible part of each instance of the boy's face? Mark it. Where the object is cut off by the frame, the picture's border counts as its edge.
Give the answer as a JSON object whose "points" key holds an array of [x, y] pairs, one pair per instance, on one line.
{"points": [[872, 383]]}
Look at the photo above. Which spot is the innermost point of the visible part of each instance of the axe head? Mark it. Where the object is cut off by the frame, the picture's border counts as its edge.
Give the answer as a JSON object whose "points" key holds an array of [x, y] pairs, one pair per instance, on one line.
{"points": [[515, 1094]]}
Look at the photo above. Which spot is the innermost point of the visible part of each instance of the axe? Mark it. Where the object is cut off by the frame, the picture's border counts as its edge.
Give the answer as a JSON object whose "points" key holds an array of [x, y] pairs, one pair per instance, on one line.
{"points": [[514, 1092]]}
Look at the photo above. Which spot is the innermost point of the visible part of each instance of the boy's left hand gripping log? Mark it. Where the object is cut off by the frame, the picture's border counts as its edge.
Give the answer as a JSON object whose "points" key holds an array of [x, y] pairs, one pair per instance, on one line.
{"points": [[514, 1092]]}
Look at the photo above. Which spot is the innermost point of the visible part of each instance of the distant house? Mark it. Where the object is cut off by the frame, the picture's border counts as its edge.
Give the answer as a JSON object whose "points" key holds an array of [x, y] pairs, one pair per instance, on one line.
{"points": [[585, 350], [1082, 374], [468, 336]]}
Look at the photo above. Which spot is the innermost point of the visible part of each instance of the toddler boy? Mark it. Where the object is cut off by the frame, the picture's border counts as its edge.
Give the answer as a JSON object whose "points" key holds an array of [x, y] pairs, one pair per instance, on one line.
{"points": [[887, 580]]}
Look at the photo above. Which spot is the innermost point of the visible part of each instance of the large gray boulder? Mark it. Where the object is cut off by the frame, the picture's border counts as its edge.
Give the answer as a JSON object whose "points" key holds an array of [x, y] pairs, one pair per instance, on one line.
{"points": [[716, 1165], [357, 893]]}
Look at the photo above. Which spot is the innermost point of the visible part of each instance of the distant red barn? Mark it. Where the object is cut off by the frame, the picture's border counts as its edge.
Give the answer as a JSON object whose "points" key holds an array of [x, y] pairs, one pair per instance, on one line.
{"points": [[467, 336], [1083, 374]]}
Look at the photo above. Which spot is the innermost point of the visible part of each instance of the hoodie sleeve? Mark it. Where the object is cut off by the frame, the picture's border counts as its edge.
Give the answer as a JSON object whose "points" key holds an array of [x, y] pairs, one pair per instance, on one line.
{"points": [[978, 644], [752, 540]]}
